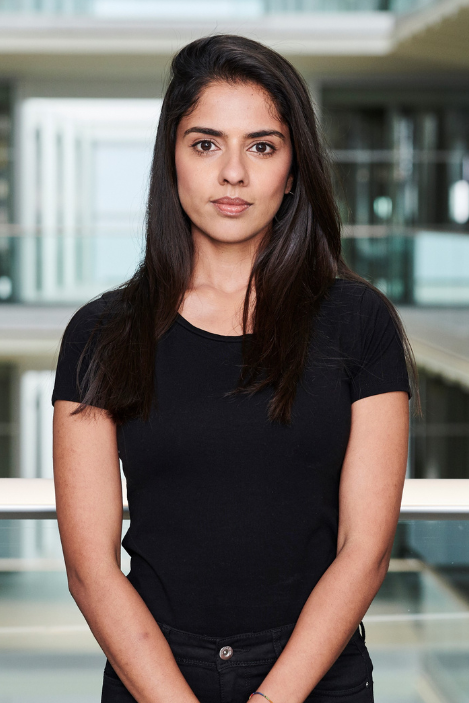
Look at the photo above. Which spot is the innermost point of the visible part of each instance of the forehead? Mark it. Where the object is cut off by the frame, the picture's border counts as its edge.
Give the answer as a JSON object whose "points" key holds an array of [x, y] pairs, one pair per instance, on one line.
{"points": [[232, 107]]}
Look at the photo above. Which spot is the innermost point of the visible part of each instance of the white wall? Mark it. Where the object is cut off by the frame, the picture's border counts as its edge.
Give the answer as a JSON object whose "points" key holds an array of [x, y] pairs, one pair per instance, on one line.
{"points": [[82, 183]]}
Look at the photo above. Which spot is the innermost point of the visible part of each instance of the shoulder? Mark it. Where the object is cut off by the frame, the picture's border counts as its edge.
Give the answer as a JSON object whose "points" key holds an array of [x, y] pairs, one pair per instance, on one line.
{"points": [[86, 318], [355, 297], [356, 315], [342, 300], [362, 324]]}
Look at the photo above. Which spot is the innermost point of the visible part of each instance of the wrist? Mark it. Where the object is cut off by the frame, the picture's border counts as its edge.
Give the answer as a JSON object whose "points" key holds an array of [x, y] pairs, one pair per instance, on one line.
{"points": [[278, 691], [259, 693]]}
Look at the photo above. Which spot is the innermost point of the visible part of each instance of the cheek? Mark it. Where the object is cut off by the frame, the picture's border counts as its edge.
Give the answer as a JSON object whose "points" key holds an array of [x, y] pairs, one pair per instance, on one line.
{"points": [[188, 184], [275, 174], [182, 175], [272, 188]]}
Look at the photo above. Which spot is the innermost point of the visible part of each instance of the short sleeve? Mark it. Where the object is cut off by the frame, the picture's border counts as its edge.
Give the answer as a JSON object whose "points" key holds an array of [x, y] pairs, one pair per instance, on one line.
{"points": [[381, 367], [75, 337]]}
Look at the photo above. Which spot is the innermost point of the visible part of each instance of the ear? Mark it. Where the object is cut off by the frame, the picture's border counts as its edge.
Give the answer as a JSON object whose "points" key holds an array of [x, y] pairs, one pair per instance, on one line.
{"points": [[289, 183]]}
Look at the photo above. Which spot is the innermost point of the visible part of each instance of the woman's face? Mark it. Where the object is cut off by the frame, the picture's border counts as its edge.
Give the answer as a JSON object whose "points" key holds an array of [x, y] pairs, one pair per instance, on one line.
{"points": [[233, 162]]}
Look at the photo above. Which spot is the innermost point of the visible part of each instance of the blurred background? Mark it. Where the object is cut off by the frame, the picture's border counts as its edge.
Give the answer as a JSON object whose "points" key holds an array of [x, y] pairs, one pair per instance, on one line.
{"points": [[81, 83]]}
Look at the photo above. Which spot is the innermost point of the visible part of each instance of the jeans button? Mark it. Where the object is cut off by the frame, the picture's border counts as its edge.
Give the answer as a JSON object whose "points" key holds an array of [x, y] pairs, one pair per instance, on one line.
{"points": [[226, 653]]}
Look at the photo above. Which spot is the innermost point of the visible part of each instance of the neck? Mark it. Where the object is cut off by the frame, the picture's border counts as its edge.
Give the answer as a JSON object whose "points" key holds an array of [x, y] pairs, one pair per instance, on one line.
{"points": [[223, 266], [215, 297]]}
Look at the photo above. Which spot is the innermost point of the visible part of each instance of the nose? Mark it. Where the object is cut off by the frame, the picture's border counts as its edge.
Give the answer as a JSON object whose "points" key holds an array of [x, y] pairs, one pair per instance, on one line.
{"points": [[233, 168]]}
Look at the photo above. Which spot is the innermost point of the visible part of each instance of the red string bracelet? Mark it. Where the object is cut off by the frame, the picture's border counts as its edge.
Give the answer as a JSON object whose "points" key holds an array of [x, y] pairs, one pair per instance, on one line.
{"points": [[261, 694]]}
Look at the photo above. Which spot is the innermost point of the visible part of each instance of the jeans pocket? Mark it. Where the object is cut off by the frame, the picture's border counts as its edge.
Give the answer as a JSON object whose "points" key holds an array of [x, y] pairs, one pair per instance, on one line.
{"points": [[202, 678], [114, 691], [250, 677], [350, 673], [109, 671]]}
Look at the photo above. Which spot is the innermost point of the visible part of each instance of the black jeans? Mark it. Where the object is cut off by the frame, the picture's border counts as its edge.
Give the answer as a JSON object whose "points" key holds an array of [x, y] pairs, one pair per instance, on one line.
{"points": [[229, 669]]}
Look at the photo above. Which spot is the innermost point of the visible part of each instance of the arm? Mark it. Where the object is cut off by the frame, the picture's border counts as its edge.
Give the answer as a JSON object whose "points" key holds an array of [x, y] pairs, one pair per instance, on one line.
{"points": [[370, 494], [89, 512]]}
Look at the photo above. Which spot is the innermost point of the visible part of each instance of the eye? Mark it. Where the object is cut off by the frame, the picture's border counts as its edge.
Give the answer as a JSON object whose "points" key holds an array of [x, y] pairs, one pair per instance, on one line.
{"points": [[263, 148], [203, 145]]}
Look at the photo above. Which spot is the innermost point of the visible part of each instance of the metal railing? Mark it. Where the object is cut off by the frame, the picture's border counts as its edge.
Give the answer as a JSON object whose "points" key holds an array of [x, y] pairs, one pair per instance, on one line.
{"points": [[412, 265], [160, 8], [396, 6], [423, 499]]}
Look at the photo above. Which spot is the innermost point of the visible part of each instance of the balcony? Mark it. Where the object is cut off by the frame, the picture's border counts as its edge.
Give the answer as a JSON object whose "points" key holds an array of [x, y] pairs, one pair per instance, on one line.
{"points": [[320, 36], [412, 266]]}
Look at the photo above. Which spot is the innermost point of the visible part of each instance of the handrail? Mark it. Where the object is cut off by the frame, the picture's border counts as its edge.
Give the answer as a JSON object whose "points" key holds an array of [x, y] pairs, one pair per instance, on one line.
{"points": [[423, 499], [15, 230], [88, 8]]}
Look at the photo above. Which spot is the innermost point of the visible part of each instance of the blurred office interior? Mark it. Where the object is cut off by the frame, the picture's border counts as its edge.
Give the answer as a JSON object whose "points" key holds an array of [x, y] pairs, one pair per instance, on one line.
{"points": [[81, 83]]}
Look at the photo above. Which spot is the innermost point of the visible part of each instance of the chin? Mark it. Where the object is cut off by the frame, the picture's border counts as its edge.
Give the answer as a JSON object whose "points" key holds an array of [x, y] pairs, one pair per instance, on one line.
{"points": [[227, 232], [241, 236], [227, 238]]}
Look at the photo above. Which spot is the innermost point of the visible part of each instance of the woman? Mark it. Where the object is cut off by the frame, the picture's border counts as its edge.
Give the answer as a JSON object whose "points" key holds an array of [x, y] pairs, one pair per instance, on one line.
{"points": [[256, 391]]}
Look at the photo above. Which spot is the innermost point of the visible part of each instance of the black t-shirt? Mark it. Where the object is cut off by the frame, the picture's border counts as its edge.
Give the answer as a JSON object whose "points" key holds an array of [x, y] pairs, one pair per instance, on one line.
{"points": [[234, 519]]}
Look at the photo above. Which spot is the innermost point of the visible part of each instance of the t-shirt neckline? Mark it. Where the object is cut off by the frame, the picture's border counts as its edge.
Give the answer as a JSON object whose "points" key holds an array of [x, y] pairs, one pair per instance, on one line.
{"points": [[209, 335]]}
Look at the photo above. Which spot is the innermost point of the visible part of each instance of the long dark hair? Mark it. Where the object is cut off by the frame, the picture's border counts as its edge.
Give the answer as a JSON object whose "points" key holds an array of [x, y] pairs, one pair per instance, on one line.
{"points": [[294, 267]]}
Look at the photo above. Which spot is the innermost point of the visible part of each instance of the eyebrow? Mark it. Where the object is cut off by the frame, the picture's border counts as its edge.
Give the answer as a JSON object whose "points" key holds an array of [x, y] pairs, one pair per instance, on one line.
{"points": [[252, 135]]}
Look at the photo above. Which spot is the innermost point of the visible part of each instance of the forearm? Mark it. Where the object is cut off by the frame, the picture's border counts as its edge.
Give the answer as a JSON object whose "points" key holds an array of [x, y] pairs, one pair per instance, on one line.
{"points": [[326, 623], [131, 638]]}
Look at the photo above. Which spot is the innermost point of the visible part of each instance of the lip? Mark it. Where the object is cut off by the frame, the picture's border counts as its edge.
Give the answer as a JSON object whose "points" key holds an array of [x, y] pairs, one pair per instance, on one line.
{"points": [[231, 206]]}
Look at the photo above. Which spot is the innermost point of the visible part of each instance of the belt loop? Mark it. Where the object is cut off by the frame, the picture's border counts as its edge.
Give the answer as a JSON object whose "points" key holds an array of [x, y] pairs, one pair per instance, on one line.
{"points": [[361, 629], [276, 642]]}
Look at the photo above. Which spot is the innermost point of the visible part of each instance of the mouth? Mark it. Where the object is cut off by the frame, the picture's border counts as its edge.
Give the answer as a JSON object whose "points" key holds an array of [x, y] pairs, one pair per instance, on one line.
{"points": [[231, 206]]}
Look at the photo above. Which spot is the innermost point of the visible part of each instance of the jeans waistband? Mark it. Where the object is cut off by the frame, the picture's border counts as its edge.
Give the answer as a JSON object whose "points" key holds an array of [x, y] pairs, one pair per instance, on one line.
{"points": [[235, 650]]}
